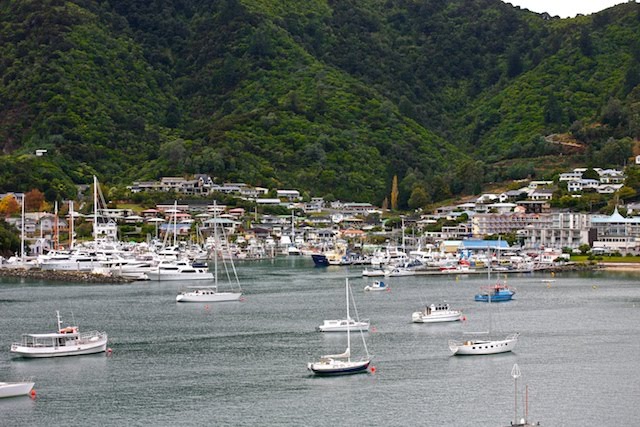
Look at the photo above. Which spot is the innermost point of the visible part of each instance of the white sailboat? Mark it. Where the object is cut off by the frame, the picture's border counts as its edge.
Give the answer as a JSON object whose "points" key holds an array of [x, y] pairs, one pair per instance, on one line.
{"points": [[522, 422], [342, 364], [211, 293], [482, 343]]}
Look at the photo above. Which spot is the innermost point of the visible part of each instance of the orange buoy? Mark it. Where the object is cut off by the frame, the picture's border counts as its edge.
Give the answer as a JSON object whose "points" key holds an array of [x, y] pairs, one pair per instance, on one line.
{"points": [[32, 394], [372, 369]]}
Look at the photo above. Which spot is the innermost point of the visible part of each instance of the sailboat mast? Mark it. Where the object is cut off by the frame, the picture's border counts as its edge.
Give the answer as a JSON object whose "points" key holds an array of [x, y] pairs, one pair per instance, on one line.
{"points": [[95, 210], [55, 226], [71, 224], [216, 243], [175, 222], [348, 319], [22, 231], [515, 373], [526, 403]]}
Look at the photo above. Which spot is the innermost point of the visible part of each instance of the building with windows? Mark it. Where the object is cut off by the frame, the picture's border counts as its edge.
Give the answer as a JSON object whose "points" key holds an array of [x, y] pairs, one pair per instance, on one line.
{"points": [[616, 233]]}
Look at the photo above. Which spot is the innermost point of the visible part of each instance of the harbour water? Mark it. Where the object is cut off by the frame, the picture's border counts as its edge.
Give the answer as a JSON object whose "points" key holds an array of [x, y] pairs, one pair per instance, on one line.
{"points": [[244, 363]]}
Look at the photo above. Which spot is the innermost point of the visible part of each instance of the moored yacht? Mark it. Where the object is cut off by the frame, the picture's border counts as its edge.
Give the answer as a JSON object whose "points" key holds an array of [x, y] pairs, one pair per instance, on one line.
{"points": [[342, 325], [207, 294], [68, 341], [476, 346], [179, 270], [435, 313]]}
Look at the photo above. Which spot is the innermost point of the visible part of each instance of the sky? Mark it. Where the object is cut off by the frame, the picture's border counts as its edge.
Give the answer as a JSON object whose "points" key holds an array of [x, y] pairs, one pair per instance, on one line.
{"points": [[565, 8]]}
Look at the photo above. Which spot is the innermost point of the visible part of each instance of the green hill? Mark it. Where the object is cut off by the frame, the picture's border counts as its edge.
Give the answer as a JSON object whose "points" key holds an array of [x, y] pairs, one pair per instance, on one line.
{"points": [[332, 97]]}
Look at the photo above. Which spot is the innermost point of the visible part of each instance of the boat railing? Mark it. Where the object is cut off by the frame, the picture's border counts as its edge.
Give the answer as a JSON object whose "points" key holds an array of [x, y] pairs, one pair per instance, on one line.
{"points": [[92, 334], [513, 336]]}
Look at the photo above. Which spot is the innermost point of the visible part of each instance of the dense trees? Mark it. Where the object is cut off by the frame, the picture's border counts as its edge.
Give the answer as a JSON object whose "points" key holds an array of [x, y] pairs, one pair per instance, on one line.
{"points": [[331, 97]]}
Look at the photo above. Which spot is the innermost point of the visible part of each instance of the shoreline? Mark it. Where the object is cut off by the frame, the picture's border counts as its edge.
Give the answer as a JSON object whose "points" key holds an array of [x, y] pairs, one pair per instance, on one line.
{"points": [[620, 266], [61, 276]]}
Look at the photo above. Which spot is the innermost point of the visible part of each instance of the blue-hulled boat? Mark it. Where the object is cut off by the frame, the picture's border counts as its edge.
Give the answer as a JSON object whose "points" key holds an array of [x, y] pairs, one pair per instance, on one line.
{"points": [[496, 293], [320, 260]]}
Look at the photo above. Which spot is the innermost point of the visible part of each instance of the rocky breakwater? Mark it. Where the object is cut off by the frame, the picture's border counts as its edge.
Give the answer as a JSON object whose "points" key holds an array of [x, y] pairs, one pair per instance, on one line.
{"points": [[61, 276]]}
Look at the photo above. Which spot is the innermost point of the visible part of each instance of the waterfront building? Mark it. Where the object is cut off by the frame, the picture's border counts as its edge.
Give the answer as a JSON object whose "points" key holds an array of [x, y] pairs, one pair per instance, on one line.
{"points": [[616, 233], [488, 224], [557, 230]]}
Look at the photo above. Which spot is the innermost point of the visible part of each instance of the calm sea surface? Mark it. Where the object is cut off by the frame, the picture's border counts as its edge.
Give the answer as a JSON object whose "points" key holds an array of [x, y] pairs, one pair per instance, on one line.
{"points": [[244, 363]]}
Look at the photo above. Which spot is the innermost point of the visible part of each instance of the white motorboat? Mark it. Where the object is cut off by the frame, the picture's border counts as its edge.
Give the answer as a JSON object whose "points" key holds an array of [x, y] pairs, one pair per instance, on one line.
{"points": [[343, 325], [68, 341], [207, 294], [341, 364], [474, 347], [378, 285], [75, 261], [435, 313], [399, 272], [15, 389], [374, 272], [179, 270]]}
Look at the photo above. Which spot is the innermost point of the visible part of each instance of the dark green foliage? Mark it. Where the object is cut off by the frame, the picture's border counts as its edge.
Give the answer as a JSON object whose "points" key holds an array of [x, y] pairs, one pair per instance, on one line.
{"points": [[328, 97], [9, 240]]}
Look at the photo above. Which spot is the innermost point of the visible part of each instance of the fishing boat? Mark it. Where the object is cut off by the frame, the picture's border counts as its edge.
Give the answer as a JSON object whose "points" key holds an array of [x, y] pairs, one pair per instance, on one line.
{"points": [[211, 293], [378, 285], [342, 364], [15, 389], [436, 313], [68, 341], [495, 293]]}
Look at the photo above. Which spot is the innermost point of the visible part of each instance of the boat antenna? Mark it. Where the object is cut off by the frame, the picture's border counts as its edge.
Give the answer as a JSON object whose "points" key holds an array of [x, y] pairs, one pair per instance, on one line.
{"points": [[515, 373]]}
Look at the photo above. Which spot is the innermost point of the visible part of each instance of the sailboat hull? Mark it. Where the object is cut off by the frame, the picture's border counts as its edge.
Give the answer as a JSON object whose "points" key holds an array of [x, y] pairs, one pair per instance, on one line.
{"points": [[213, 297], [482, 347], [335, 368]]}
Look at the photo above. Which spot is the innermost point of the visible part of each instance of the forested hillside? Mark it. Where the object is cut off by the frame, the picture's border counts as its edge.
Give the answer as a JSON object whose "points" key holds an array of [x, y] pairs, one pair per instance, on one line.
{"points": [[332, 97]]}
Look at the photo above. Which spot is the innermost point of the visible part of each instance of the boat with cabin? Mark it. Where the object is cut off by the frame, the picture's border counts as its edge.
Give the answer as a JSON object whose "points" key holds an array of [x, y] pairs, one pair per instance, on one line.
{"points": [[436, 313], [179, 270], [479, 346], [495, 293], [343, 325], [67, 341], [378, 285]]}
